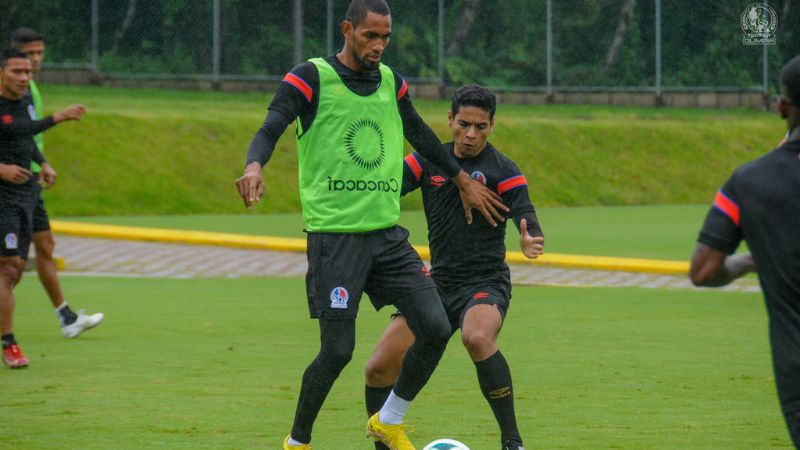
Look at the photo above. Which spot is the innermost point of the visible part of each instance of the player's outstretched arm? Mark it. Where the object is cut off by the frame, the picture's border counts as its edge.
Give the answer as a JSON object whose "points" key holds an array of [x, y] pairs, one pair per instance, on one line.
{"points": [[73, 112], [713, 268], [474, 195], [251, 184], [532, 246]]}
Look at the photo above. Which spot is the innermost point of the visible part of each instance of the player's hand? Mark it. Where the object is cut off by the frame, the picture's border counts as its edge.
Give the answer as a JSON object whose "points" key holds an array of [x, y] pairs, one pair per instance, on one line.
{"points": [[531, 246], [14, 174], [49, 175], [475, 195], [73, 112], [251, 185]]}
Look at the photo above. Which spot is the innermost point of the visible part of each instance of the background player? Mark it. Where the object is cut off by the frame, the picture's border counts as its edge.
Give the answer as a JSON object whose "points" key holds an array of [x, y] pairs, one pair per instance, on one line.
{"points": [[468, 261], [352, 113], [760, 203], [19, 188], [31, 43]]}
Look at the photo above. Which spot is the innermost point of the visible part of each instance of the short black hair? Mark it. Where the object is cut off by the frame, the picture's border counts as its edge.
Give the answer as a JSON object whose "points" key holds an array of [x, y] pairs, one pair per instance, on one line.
{"points": [[359, 9], [474, 95], [790, 80], [25, 35], [11, 53]]}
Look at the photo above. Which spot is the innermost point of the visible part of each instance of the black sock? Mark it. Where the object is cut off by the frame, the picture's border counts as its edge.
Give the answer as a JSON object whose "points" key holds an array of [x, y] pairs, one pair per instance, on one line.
{"points": [[375, 397], [8, 340], [494, 377], [67, 315]]}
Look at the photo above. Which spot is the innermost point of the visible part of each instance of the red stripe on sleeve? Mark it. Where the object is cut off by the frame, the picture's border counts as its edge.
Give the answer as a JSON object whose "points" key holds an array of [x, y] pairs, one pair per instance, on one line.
{"points": [[511, 183], [727, 206], [413, 164], [403, 89], [300, 84]]}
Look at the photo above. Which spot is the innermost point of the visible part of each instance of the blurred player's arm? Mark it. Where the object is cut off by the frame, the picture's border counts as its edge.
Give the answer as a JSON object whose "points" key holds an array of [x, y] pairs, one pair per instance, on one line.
{"points": [[473, 193], [713, 260], [713, 268]]}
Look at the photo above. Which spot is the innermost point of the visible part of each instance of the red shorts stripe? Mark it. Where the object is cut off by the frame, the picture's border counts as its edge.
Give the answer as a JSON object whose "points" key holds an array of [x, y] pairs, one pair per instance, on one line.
{"points": [[511, 183], [300, 84], [727, 206], [403, 89], [413, 164]]}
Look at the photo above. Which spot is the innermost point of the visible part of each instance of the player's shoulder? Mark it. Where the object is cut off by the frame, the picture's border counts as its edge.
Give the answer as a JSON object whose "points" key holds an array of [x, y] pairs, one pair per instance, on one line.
{"points": [[306, 70], [503, 164]]}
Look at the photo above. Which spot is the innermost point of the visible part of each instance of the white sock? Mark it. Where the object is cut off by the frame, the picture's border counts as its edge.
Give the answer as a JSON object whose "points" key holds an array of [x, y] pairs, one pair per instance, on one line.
{"points": [[293, 442], [393, 410]]}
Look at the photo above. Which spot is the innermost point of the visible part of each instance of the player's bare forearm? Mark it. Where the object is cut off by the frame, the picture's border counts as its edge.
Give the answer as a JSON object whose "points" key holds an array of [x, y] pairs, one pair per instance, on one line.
{"points": [[712, 268]]}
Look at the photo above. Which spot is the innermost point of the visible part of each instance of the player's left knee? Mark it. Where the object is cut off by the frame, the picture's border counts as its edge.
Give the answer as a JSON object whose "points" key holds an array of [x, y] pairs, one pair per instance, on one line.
{"points": [[478, 342]]}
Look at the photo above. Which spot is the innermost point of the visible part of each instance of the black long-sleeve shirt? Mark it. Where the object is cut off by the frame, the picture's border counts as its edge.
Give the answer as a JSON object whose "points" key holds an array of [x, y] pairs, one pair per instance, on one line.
{"points": [[461, 252], [298, 98], [17, 128]]}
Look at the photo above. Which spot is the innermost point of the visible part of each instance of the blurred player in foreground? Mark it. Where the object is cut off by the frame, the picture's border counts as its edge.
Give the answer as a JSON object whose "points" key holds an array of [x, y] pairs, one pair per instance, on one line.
{"points": [[760, 203], [31, 43], [352, 113], [19, 187], [468, 261]]}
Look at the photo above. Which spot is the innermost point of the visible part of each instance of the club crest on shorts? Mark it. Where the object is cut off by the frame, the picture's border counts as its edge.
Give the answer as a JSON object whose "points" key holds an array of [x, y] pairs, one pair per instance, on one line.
{"points": [[339, 298], [11, 241], [479, 176]]}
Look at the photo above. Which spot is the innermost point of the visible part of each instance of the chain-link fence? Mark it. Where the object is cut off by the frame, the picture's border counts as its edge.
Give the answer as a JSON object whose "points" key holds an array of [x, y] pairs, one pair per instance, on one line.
{"points": [[524, 45]]}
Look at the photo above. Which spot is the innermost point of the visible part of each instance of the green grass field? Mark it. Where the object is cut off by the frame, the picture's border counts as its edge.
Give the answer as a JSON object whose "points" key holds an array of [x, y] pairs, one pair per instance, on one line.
{"points": [[141, 151], [217, 363], [662, 232]]}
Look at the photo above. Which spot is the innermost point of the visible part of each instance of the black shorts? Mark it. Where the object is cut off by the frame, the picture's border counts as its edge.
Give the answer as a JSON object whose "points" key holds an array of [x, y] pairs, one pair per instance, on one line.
{"points": [[41, 222], [458, 299], [16, 225], [343, 266]]}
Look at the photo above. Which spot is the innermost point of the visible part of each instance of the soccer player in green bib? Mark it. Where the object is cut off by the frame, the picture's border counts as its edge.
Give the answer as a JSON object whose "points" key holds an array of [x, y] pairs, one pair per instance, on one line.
{"points": [[31, 43], [352, 113]]}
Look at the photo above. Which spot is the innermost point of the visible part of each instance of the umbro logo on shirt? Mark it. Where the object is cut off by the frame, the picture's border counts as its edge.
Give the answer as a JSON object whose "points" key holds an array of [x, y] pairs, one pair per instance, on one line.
{"points": [[7, 119], [437, 180]]}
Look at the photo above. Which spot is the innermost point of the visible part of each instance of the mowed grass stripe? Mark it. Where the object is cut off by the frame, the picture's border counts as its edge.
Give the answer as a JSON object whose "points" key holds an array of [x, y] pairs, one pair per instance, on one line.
{"points": [[217, 363]]}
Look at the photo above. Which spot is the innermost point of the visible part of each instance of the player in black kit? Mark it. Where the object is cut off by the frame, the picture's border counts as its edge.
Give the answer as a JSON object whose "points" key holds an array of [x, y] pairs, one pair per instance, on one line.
{"points": [[468, 261], [760, 203], [19, 188]]}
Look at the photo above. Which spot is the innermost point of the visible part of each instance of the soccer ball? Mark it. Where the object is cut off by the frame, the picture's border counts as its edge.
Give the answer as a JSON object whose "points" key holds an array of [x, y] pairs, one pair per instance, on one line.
{"points": [[445, 444]]}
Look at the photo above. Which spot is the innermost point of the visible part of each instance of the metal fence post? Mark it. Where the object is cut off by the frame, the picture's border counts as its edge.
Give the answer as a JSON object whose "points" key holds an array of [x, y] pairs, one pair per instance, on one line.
{"points": [[549, 51], [298, 32], [440, 72], [95, 36], [330, 27], [659, 101], [765, 69], [215, 80]]}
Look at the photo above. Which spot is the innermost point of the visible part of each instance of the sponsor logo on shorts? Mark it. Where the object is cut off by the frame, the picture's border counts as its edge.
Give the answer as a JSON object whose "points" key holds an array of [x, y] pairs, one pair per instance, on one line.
{"points": [[480, 295], [479, 176], [437, 180], [11, 241], [339, 298], [391, 185]]}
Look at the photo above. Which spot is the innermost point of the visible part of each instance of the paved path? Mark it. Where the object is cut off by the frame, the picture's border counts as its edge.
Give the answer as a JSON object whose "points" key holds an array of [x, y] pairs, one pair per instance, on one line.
{"points": [[148, 259]]}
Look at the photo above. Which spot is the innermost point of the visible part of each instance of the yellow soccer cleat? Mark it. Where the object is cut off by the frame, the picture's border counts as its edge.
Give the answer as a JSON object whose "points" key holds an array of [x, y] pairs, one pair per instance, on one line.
{"points": [[286, 445], [393, 436]]}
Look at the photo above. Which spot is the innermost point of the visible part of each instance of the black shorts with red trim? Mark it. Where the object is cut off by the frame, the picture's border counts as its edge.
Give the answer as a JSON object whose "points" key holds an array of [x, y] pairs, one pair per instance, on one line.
{"points": [[16, 221], [343, 266]]}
